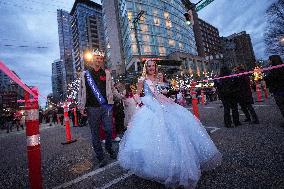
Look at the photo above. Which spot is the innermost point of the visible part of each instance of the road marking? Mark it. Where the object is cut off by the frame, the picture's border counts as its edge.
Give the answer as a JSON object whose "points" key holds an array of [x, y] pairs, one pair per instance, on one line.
{"points": [[261, 105], [214, 129], [209, 107], [41, 128], [83, 177], [115, 181]]}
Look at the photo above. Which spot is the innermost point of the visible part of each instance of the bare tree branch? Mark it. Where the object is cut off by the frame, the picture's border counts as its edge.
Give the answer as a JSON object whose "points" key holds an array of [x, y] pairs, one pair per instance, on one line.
{"points": [[274, 34]]}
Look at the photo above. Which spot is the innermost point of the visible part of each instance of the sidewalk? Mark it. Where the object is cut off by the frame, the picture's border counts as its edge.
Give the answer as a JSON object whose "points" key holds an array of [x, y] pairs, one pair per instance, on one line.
{"points": [[3, 132]]}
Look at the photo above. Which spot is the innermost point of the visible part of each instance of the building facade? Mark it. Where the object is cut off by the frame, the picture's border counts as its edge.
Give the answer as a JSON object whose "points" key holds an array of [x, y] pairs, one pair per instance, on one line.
{"points": [[87, 29], [58, 80], [5, 81], [161, 30], [65, 43], [210, 44], [114, 51], [10, 92], [237, 50]]}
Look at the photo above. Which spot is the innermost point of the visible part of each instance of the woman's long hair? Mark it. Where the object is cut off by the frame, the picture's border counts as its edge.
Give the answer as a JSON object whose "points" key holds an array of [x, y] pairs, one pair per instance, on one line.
{"points": [[144, 71]]}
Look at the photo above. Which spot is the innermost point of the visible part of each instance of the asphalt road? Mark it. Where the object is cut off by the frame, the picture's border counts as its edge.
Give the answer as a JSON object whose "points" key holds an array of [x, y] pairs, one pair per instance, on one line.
{"points": [[252, 156]]}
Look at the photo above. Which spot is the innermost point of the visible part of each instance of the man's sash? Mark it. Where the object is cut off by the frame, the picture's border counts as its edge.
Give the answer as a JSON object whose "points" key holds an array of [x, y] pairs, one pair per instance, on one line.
{"points": [[97, 92]]}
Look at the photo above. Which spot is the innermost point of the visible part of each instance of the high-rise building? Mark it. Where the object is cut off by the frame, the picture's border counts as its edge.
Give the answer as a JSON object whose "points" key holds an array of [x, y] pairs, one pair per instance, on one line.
{"points": [[114, 52], [10, 92], [5, 81], [87, 29], [208, 42], [160, 31], [58, 81], [65, 43], [237, 50]]}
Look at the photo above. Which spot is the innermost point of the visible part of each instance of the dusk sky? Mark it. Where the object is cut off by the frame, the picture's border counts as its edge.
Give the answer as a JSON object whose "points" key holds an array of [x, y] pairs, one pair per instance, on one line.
{"points": [[29, 36]]}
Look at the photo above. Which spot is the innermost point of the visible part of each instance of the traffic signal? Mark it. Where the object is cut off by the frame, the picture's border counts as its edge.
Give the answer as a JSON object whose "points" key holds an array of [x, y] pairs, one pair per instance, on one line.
{"points": [[189, 17]]}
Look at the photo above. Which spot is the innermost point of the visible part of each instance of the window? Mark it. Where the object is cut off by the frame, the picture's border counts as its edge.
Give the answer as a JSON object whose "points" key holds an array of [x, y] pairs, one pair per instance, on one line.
{"points": [[160, 40], [144, 27], [132, 35], [168, 24], [172, 42], [166, 15], [129, 15], [147, 49], [156, 21], [162, 51], [146, 38], [134, 48]]}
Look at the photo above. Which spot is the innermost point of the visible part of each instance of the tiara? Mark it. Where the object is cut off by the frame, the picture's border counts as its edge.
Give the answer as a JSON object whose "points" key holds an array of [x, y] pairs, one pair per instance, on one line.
{"points": [[98, 53]]}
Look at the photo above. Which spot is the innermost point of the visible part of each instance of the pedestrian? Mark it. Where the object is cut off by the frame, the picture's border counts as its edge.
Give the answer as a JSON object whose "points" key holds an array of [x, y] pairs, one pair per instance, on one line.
{"points": [[118, 113], [165, 142], [9, 121], [245, 99], [54, 117], [84, 119], [129, 103], [228, 93], [96, 95], [275, 82]]}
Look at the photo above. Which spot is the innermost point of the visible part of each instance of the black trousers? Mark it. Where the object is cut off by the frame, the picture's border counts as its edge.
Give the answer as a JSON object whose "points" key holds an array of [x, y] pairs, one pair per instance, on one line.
{"points": [[249, 111], [95, 116], [228, 106], [280, 103]]}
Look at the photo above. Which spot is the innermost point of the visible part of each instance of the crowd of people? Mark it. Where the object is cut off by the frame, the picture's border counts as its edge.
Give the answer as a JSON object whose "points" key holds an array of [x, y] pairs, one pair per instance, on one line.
{"points": [[11, 119], [151, 110], [237, 91]]}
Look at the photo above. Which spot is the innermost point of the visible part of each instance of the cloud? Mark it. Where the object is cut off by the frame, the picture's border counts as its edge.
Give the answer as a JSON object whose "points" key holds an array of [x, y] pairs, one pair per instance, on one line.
{"points": [[26, 27], [29, 41], [33, 24], [239, 15]]}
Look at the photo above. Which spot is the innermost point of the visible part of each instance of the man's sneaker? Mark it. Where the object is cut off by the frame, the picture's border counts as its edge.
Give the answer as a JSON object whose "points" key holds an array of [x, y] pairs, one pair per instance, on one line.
{"points": [[102, 163], [117, 139]]}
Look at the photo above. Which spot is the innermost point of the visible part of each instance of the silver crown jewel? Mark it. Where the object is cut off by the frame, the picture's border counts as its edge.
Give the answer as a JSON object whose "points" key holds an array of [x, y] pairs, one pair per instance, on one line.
{"points": [[97, 52]]}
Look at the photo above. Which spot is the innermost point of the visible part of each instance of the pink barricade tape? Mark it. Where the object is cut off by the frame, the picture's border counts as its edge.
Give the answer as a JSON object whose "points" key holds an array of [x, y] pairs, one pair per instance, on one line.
{"points": [[246, 73], [15, 78]]}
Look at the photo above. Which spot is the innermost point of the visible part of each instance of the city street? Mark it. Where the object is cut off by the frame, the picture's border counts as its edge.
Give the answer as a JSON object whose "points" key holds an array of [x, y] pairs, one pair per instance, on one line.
{"points": [[252, 156], [64, 61]]}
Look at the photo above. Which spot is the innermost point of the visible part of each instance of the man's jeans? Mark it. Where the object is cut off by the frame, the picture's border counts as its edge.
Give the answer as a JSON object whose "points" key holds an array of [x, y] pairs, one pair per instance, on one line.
{"points": [[96, 116]]}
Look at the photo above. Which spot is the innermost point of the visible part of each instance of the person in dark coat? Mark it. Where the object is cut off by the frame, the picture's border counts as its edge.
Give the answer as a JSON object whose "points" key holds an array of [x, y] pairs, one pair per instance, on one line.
{"points": [[228, 92], [275, 82], [246, 99], [9, 122]]}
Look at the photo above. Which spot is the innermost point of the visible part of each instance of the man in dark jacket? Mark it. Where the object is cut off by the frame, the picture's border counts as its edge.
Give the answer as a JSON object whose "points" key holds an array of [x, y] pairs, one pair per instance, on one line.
{"points": [[275, 82], [245, 97], [228, 92]]}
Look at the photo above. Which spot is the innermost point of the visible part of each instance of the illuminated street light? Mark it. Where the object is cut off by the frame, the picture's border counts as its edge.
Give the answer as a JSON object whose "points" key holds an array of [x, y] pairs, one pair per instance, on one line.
{"points": [[88, 56], [282, 39]]}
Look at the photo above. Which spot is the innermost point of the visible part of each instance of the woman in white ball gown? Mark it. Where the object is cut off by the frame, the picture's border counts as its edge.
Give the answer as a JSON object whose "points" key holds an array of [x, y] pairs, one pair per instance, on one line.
{"points": [[164, 142]]}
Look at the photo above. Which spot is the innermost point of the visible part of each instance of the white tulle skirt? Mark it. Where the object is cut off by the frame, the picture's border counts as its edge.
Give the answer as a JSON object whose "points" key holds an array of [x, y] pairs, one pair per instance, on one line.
{"points": [[166, 143]]}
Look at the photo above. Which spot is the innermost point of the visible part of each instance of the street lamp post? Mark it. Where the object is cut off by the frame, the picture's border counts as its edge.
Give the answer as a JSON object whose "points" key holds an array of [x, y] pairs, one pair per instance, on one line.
{"points": [[135, 24]]}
